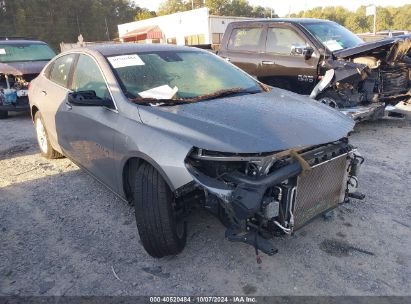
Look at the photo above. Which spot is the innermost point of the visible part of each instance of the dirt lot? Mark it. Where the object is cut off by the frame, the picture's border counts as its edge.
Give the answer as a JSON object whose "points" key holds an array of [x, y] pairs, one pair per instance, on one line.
{"points": [[61, 232]]}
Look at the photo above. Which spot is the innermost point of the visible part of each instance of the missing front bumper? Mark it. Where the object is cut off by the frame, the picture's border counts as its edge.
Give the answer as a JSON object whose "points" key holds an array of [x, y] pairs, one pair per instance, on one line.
{"points": [[282, 200]]}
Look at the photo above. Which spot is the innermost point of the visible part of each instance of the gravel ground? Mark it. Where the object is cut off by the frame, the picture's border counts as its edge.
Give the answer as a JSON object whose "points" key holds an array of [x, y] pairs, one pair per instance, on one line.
{"points": [[62, 233]]}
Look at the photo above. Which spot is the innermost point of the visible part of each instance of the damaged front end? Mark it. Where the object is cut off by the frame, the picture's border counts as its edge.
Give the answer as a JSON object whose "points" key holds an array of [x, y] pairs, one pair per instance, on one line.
{"points": [[363, 80], [262, 195], [14, 91]]}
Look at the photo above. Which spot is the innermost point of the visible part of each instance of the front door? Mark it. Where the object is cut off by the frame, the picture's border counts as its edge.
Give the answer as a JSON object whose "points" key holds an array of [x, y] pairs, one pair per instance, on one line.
{"points": [[281, 67], [86, 133]]}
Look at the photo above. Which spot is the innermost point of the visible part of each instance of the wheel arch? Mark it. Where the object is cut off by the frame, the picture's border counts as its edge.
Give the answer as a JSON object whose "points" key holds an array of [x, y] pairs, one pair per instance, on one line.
{"points": [[130, 166], [33, 112]]}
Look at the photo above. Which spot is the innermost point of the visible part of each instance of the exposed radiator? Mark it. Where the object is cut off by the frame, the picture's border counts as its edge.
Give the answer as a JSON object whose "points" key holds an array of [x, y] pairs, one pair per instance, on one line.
{"points": [[393, 81], [320, 189]]}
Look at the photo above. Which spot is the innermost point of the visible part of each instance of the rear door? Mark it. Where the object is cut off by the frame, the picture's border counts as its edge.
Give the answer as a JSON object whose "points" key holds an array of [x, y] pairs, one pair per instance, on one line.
{"points": [[244, 47], [282, 68], [86, 133], [52, 92]]}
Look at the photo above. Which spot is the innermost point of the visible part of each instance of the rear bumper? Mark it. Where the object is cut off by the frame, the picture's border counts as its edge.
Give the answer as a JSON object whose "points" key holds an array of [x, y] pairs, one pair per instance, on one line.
{"points": [[369, 112]]}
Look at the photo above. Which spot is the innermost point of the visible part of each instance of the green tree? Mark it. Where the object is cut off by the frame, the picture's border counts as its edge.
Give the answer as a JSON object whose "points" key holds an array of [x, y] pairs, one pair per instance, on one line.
{"points": [[388, 18], [172, 6], [55, 21], [401, 18], [144, 14], [216, 7]]}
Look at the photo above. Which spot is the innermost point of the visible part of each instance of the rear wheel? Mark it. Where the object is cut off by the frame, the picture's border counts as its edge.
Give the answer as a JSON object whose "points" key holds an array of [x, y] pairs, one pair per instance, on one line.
{"points": [[4, 114], [43, 141], [160, 225]]}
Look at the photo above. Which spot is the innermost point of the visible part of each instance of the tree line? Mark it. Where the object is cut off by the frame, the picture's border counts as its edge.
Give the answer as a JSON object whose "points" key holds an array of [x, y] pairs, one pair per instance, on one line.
{"points": [[55, 21], [240, 8], [388, 18]]}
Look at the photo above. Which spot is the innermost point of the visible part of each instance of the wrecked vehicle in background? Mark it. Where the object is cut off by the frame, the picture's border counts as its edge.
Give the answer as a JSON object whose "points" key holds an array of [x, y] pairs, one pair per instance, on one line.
{"points": [[166, 127], [374, 71], [323, 59], [21, 61]]}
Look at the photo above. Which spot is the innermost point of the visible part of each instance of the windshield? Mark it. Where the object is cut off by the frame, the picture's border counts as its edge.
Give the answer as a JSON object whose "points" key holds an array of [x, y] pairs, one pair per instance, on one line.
{"points": [[179, 76], [333, 36], [25, 52]]}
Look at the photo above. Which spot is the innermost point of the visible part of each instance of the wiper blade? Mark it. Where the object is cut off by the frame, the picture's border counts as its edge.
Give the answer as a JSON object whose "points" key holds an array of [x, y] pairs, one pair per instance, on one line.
{"points": [[222, 93], [151, 101], [174, 101]]}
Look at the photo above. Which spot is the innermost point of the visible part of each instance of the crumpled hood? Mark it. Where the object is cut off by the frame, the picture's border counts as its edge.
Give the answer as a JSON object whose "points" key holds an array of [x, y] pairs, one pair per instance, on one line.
{"points": [[22, 68], [393, 49], [253, 123]]}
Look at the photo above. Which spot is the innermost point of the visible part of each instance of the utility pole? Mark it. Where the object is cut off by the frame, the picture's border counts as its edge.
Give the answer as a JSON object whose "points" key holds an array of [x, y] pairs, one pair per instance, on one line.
{"points": [[107, 32], [78, 24], [372, 11]]}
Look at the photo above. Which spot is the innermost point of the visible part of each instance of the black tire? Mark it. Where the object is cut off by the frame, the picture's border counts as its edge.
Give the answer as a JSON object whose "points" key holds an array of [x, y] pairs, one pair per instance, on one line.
{"points": [[4, 114], [160, 232], [46, 149]]}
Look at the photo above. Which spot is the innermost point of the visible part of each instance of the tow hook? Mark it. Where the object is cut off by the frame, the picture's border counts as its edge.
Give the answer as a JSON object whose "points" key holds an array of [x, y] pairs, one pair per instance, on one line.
{"points": [[251, 238], [357, 195]]}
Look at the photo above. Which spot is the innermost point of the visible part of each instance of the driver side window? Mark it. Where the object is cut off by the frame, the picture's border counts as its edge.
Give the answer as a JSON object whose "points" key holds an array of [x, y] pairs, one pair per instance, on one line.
{"points": [[87, 77], [280, 40]]}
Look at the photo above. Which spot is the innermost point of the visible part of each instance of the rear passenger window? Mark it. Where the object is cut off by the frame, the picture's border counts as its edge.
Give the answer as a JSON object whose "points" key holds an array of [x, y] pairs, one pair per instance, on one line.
{"points": [[61, 70], [245, 39], [280, 40]]}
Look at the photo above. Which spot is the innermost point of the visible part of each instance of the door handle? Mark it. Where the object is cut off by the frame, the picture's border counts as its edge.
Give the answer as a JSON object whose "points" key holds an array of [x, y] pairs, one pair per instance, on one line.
{"points": [[268, 62], [44, 93], [68, 106]]}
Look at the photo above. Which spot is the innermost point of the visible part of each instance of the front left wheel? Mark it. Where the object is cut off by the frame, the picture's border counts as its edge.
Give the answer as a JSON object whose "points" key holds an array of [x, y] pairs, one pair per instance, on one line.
{"points": [[159, 219], [43, 141]]}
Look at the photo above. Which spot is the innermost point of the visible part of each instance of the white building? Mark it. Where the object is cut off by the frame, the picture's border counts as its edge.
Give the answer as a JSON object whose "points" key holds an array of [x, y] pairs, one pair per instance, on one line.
{"points": [[185, 28]]}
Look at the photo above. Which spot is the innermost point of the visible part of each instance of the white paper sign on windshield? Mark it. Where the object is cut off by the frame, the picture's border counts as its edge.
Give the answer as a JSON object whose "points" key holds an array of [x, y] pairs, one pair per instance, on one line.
{"points": [[2, 52], [333, 45], [161, 92], [125, 61]]}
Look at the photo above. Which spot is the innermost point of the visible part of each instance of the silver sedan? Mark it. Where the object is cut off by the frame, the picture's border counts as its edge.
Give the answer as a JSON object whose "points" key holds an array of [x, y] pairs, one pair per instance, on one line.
{"points": [[166, 127]]}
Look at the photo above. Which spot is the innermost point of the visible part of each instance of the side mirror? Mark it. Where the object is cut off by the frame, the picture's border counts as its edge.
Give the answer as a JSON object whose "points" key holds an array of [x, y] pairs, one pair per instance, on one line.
{"points": [[87, 98], [308, 52], [302, 50]]}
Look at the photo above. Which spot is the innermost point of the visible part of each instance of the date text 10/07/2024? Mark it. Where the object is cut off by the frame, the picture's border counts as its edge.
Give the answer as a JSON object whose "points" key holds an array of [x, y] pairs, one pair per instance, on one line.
{"points": [[204, 299]]}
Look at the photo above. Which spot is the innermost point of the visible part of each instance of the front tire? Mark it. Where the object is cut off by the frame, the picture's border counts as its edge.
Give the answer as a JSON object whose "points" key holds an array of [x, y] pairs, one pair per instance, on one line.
{"points": [[161, 231], [43, 141]]}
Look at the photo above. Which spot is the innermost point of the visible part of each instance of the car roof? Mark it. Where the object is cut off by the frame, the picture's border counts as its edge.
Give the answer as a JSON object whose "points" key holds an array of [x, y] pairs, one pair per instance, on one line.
{"points": [[288, 20], [111, 49]]}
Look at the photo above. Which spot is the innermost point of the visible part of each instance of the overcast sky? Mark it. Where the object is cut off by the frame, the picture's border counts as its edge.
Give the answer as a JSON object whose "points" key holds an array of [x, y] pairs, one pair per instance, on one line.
{"points": [[282, 7]]}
